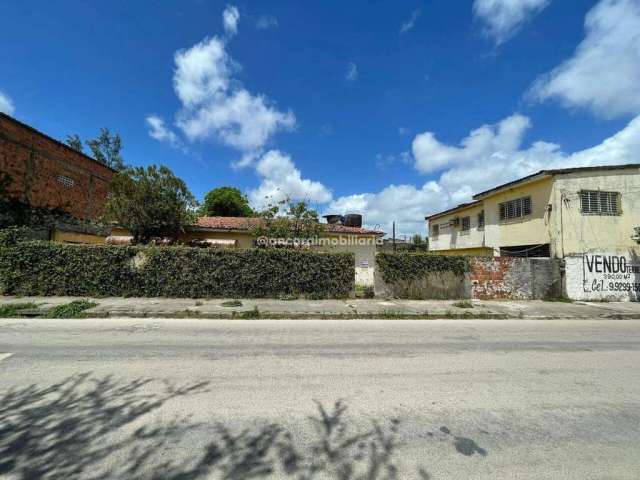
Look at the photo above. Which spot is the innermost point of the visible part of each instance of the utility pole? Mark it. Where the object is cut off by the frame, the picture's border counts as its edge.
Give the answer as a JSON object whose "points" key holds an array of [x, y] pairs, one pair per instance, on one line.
{"points": [[394, 236]]}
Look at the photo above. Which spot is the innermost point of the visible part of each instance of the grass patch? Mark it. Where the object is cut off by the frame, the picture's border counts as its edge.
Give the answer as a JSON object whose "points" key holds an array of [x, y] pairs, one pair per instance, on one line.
{"points": [[559, 300], [247, 314], [362, 291], [12, 309], [463, 304], [73, 309], [232, 303]]}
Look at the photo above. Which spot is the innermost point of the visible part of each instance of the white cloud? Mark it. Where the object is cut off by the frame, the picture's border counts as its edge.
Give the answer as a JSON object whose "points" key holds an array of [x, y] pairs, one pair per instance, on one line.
{"points": [[280, 179], [265, 22], [411, 21], [6, 104], [352, 72], [604, 73], [503, 18], [217, 106], [230, 18], [159, 131], [501, 139], [487, 157]]}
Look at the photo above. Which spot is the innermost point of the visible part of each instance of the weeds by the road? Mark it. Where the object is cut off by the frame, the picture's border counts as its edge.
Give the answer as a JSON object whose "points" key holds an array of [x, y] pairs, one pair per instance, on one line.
{"points": [[13, 309], [232, 303], [73, 309], [463, 304]]}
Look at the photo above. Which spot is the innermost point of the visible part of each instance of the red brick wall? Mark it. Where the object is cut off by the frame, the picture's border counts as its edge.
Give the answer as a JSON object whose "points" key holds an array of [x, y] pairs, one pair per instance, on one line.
{"points": [[492, 278], [35, 161]]}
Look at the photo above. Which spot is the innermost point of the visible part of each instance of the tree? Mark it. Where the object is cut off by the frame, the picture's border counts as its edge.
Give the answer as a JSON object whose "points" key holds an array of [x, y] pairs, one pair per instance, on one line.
{"points": [[418, 244], [150, 203], [226, 202], [106, 149], [74, 142], [286, 219]]}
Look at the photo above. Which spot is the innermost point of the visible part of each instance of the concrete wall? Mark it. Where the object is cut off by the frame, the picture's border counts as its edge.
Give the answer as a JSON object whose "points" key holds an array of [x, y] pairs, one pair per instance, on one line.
{"points": [[575, 232], [499, 278], [35, 161], [612, 275]]}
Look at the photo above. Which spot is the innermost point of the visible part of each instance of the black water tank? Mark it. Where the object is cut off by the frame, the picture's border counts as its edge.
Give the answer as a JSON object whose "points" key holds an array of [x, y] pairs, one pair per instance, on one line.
{"points": [[334, 219], [353, 220]]}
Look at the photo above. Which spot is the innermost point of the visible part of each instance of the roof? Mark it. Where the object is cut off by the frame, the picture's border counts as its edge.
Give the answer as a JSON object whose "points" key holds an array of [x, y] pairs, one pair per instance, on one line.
{"points": [[454, 209], [58, 142], [245, 223], [551, 172], [529, 178]]}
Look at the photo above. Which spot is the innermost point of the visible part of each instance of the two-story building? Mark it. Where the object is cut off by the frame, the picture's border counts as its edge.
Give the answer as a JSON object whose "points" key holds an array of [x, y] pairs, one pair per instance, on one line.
{"points": [[552, 213]]}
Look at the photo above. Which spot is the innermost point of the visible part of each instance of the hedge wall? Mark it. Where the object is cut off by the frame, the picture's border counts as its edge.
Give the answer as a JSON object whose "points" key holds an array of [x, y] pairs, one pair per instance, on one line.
{"points": [[45, 268], [395, 267]]}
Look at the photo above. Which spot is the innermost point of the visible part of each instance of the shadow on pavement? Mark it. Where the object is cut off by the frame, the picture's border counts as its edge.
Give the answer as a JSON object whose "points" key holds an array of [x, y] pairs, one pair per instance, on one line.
{"points": [[85, 427]]}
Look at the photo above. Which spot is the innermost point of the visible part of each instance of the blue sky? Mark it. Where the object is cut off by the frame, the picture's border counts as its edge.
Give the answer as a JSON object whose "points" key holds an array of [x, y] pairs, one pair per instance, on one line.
{"points": [[359, 106]]}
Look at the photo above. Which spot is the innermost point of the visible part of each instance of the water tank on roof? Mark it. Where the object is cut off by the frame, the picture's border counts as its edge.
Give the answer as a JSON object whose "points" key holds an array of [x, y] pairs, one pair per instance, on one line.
{"points": [[353, 220], [334, 219]]}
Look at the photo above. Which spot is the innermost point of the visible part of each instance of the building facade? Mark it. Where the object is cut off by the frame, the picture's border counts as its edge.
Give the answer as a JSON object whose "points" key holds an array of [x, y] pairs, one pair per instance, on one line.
{"points": [[553, 213], [48, 174]]}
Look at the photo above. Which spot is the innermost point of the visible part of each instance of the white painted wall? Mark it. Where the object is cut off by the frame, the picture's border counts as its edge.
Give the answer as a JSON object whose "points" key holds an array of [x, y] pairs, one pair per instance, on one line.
{"points": [[612, 275]]}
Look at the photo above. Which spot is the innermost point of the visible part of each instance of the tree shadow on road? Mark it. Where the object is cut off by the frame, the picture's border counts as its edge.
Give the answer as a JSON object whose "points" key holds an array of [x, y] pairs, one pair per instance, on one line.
{"points": [[89, 428], [58, 431]]}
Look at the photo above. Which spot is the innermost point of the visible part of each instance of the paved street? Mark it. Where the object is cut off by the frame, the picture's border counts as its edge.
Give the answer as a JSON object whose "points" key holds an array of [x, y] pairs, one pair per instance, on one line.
{"points": [[158, 398]]}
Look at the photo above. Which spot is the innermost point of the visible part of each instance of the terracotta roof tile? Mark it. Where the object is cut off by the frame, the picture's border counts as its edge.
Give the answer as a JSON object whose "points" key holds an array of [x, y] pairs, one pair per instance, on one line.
{"points": [[242, 223]]}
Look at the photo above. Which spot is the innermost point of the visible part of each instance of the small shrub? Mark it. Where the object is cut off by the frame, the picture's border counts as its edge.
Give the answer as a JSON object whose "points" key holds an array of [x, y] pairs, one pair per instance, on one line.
{"points": [[365, 291], [13, 309], [232, 303], [463, 304], [73, 309], [250, 314], [405, 266]]}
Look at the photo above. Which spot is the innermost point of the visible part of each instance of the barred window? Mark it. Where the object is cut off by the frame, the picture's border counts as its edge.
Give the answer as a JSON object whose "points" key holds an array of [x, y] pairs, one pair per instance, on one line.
{"points": [[66, 181], [466, 224], [481, 220], [520, 207], [595, 202], [435, 230]]}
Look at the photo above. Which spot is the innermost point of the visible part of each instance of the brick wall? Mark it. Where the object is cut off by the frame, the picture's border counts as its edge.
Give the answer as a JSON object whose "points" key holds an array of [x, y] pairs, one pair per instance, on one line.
{"points": [[48, 174], [489, 278], [508, 278]]}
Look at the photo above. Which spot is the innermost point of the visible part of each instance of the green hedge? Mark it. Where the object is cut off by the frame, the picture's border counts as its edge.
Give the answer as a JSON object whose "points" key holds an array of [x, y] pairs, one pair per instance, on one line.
{"points": [[405, 266], [46, 268]]}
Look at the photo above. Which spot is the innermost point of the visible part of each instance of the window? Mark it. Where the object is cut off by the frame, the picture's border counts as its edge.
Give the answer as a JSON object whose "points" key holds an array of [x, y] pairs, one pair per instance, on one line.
{"points": [[481, 220], [466, 224], [435, 230], [518, 208], [595, 202], [66, 181]]}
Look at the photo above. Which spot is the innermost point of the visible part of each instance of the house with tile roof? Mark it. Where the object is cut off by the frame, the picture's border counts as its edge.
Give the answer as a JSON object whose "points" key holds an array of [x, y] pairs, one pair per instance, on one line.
{"points": [[236, 232]]}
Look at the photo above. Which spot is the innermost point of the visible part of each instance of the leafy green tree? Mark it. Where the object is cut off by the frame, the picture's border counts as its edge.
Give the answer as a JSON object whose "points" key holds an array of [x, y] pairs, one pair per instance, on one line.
{"points": [[74, 142], [106, 149], [418, 244], [150, 202], [226, 202], [288, 220]]}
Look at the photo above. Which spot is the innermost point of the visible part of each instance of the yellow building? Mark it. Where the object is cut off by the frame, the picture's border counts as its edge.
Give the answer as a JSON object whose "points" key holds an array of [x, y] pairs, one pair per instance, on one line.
{"points": [[552, 213]]}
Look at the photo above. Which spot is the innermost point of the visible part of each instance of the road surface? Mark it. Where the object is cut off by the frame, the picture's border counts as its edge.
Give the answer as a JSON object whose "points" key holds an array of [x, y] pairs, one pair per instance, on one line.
{"points": [[453, 399]]}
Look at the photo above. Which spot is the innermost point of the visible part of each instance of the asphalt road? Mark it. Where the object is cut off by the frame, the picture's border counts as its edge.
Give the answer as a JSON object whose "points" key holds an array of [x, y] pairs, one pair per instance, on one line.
{"points": [[452, 399]]}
